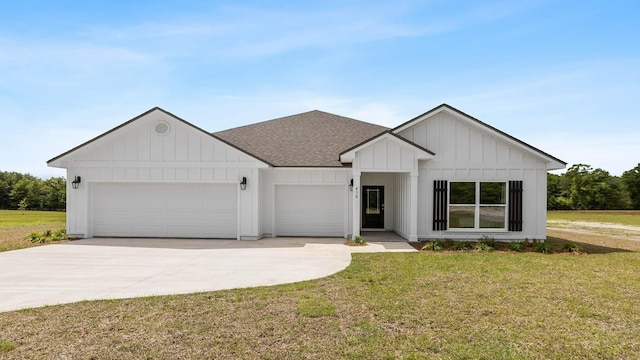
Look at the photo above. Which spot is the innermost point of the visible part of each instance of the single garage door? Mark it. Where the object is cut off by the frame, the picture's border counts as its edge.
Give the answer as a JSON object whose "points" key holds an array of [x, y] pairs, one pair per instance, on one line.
{"points": [[186, 210], [303, 210]]}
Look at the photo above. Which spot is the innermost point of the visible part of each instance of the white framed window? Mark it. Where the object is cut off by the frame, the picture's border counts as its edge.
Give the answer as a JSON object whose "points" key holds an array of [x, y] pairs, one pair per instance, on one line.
{"points": [[477, 205]]}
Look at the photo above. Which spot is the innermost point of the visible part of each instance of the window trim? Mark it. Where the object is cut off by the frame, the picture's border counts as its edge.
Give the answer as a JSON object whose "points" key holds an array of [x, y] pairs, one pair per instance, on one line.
{"points": [[477, 205]]}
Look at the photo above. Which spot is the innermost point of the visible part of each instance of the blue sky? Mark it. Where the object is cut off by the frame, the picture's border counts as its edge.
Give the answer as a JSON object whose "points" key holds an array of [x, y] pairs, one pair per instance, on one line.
{"points": [[563, 76]]}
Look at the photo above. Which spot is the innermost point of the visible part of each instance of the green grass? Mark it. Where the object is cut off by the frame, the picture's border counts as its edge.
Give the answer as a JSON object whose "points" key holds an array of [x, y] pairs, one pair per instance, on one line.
{"points": [[15, 218], [442, 305], [6, 346], [623, 217], [15, 226]]}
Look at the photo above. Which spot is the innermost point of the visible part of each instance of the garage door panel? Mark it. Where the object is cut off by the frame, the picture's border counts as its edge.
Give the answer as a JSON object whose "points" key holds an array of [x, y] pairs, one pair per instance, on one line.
{"points": [[304, 210], [164, 210]]}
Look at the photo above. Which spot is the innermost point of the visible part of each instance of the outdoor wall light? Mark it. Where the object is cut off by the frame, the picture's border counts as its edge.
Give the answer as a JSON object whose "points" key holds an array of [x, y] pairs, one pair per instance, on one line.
{"points": [[351, 185], [243, 183], [76, 182]]}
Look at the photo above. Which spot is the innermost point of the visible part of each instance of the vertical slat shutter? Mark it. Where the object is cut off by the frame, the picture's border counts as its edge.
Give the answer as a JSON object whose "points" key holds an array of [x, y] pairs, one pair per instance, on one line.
{"points": [[515, 205], [439, 205]]}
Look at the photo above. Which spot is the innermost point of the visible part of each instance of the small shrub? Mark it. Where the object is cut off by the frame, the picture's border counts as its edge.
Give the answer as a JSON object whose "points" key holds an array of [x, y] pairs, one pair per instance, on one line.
{"points": [[526, 243], [47, 233], [433, 245], [515, 246], [22, 205], [572, 248], [34, 237], [463, 245], [480, 246], [59, 235], [541, 247], [488, 240], [356, 241]]}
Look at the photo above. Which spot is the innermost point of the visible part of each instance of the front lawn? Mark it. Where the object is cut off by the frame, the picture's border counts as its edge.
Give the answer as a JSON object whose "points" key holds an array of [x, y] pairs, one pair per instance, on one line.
{"points": [[623, 217], [449, 305], [16, 225]]}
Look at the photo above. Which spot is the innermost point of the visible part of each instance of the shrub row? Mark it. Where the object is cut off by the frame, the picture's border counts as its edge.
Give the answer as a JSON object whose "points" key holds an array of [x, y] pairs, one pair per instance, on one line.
{"points": [[47, 236], [488, 243]]}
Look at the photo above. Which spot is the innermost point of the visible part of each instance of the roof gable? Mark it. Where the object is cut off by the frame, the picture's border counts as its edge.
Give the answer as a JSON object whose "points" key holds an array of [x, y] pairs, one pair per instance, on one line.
{"points": [[553, 163], [134, 140], [310, 139], [420, 153]]}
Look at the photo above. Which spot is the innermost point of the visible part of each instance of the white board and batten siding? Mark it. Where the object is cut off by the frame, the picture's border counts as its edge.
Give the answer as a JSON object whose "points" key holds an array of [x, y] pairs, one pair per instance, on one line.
{"points": [[466, 151], [158, 159]]}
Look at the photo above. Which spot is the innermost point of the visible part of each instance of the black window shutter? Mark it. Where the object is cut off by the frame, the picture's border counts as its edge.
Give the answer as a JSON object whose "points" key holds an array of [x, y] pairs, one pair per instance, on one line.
{"points": [[515, 205], [439, 205]]}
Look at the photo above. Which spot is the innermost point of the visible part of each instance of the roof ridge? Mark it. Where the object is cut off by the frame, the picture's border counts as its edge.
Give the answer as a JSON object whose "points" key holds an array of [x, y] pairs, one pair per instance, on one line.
{"points": [[297, 115]]}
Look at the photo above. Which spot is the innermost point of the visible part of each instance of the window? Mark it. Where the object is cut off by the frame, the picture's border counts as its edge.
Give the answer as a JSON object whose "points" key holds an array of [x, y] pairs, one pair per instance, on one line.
{"points": [[477, 205]]}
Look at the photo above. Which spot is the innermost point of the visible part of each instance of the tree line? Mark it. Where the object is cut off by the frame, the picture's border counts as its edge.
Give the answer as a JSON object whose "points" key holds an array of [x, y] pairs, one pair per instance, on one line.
{"points": [[583, 188], [27, 191], [580, 188]]}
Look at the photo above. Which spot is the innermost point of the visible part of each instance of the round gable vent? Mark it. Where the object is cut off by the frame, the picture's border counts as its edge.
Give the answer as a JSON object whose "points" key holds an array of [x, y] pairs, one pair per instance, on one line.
{"points": [[161, 128]]}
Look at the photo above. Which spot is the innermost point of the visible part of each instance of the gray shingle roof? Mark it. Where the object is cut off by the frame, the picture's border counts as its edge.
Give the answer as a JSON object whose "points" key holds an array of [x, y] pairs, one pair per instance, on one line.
{"points": [[311, 139]]}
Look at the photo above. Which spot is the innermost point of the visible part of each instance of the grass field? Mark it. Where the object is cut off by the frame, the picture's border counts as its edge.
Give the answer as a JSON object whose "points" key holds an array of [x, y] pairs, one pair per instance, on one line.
{"points": [[427, 305], [624, 217], [15, 225], [421, 305]]}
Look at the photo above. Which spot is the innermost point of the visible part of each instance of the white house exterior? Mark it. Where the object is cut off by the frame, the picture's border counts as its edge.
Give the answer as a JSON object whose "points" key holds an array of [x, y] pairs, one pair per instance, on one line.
{"points": [[443, 174]]}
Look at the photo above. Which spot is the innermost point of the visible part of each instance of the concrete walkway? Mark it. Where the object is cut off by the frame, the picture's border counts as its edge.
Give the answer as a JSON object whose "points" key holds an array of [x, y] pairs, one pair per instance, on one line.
{"points": [[103, 268]]}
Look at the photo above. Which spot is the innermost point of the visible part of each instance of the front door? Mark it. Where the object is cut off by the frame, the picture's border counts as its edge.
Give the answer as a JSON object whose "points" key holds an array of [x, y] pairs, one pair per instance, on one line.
{"points": [[373, 207]]}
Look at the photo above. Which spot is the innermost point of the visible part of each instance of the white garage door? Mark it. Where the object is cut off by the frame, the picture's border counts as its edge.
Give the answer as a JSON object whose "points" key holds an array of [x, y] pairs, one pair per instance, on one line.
{"points": [[164, 210], [303, 210]]}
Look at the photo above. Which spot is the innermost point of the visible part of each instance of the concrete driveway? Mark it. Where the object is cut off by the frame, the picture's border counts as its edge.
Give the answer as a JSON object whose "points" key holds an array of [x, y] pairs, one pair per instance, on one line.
{"points": [[94, 269]]}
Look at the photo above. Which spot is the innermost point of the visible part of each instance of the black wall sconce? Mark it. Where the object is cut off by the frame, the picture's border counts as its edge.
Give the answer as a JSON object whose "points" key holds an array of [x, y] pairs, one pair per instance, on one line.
{"points": [[351, 185], [243, 183], [76, 182]]}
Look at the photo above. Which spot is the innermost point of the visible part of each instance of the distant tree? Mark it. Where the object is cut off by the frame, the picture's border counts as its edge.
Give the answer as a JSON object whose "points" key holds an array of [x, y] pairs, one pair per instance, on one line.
{"points": [[631, 181], [22, 205], [54, 193], [595, 189], [558, 193], [40, 194]]}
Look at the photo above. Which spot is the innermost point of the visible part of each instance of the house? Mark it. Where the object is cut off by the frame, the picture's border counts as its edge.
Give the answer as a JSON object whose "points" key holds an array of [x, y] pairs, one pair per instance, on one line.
{"points": [[442, 174]]}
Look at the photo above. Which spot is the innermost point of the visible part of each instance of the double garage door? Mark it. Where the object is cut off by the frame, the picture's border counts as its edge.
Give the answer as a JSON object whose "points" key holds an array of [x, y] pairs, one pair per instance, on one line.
{"points": [[164, 210], [304, 210]]}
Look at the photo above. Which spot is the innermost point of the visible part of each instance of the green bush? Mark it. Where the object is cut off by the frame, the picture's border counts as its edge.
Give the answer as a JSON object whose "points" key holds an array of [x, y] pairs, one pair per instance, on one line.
{"points": [[515, 246], [34, 237], [480, 246], [542, 247], [463, 245], [572, 248], [59, 235], [488, 240], [433, 245], [358, 239]]}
